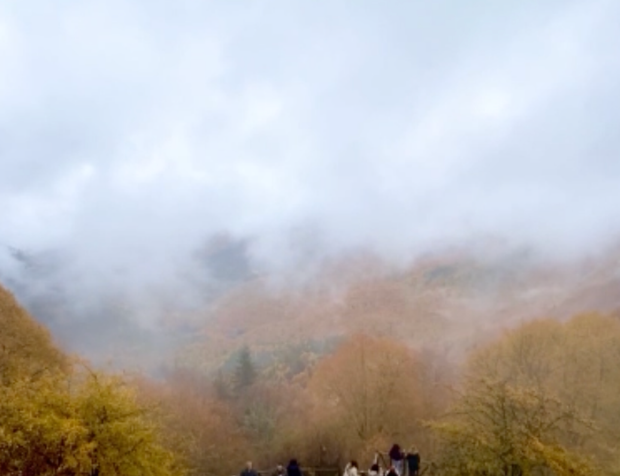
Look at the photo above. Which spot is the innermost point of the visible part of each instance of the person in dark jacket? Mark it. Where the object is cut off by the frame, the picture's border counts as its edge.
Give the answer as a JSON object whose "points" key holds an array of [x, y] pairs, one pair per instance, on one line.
{"points": [[293, 468], [397, 458], [249, 470], [413, 461]]}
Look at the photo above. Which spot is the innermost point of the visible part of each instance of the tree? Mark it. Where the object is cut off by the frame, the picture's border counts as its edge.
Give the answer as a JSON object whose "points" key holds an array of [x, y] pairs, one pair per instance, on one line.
{"points": [[221, 386], [26, 347], [369, 393], [577, 363], [86, 423], [125, 438], [65, 420], [245, 372], [499, 429], [201, 430]]}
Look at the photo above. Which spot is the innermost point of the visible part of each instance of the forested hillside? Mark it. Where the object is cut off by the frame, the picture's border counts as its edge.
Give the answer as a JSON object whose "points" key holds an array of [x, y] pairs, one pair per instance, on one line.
{"points": [[309, 238], [60, 417], [487, 369], [26, 347], [448, 302]]}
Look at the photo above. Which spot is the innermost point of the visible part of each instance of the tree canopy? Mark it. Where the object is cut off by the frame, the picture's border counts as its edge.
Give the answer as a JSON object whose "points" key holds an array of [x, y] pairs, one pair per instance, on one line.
{"points": [[26, 347]]}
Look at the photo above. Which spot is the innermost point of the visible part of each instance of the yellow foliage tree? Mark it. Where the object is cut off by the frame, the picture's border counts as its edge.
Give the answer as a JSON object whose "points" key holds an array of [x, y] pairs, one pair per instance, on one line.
{"points": [[577, 363], [87, 423], [25, 346], [499, 429]]}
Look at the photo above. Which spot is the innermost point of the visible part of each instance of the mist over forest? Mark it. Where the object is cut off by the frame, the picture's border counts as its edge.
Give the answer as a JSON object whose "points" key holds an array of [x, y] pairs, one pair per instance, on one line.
{"points": [[277, 231], [450, 297]]}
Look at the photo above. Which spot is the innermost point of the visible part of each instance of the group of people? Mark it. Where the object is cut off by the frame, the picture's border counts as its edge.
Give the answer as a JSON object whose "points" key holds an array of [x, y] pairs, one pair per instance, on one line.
{"points": [[293, 469], [401, 463]]}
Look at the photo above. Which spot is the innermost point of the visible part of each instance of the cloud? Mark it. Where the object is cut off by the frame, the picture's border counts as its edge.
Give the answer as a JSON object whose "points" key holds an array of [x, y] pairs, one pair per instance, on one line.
{"points": [[130, 131]]}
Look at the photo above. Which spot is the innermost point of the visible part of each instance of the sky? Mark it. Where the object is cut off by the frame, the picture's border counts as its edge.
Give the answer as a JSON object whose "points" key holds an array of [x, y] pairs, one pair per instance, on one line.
{"points": [[131, 130]]}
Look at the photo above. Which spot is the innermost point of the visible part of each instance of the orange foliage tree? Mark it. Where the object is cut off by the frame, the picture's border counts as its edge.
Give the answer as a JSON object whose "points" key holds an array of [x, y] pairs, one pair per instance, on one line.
{"points": [[368, 394], [198, 428]]}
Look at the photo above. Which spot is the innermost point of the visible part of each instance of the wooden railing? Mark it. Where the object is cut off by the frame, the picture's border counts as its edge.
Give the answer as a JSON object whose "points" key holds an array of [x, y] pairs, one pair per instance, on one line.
{"points": [[426, 468], [306, 471]]}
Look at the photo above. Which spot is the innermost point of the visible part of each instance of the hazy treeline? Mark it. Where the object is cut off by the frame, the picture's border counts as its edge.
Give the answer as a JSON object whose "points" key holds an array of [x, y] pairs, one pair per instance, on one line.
{"points": [[541, 399]]}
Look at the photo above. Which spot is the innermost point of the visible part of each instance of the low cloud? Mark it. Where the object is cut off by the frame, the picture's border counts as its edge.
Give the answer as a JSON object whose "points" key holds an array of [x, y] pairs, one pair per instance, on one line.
{"points": [[131, 132]]}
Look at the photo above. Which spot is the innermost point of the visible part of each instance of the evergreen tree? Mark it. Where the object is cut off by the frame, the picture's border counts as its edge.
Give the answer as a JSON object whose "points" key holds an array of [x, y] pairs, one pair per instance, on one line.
{"points": [[222, 386], [245, 372]]}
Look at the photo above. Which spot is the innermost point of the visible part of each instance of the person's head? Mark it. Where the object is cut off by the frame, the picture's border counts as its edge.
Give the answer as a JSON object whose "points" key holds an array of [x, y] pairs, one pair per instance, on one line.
{"points": [[396, 453], [413, 450], [354, 463], [375, 468], [293, 462], [280, 467], [248, 465]]}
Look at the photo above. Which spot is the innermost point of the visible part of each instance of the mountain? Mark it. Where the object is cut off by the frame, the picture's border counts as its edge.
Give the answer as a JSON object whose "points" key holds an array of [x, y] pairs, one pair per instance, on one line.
{"points": [[26, 347], [448, 302], [445, 303]]}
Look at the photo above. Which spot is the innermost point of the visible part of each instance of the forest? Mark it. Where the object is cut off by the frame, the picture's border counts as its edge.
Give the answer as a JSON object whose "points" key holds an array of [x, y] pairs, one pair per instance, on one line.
{"points": [[540, 396], [265, 232]]}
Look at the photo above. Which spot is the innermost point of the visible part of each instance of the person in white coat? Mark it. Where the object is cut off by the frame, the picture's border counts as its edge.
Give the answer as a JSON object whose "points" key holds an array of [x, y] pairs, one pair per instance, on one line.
{"points": [[351, 469], [375, 469]]}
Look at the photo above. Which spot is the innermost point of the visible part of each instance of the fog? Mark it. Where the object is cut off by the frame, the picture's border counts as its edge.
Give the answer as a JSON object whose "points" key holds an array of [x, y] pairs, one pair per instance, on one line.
{"points": [[133, 131]]}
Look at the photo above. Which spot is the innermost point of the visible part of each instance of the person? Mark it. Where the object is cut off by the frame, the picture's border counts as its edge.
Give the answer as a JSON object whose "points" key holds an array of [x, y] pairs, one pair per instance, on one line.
{"points": [[375, 469], [293, 468], [249, 470], [392, 472], [413, 461], [397, 459], [279, 471], [351, 469]]}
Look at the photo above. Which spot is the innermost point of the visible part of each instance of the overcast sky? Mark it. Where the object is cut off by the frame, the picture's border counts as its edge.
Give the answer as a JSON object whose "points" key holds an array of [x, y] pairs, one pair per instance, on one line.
{"points": [[130, 130]]}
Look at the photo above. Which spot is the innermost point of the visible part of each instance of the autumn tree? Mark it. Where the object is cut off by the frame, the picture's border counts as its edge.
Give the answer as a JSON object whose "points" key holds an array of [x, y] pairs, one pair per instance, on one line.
{"points": [[201, 430], [26, 347], [577, 363], [368, 392], [63, 419], [84, 423], [496, 428]]}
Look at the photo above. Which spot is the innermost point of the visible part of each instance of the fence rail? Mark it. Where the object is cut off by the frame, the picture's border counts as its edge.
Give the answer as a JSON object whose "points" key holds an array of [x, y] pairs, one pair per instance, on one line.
{"points": [[425, 468], [307, 471]]}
